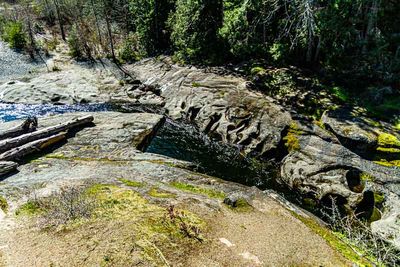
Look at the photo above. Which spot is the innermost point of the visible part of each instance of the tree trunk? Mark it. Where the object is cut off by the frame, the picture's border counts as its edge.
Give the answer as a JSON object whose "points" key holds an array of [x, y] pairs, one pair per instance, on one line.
{"points": [[56, 4]]}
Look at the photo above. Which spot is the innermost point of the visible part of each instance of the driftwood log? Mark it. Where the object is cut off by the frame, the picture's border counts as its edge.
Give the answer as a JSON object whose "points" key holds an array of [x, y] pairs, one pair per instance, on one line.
{"points": [[14, 142], [24, 139], [27, 126], [36, 146]]}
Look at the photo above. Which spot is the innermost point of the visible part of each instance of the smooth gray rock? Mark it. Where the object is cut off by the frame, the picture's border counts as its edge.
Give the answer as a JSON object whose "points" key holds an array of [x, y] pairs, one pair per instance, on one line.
{"points": [[322, 167], [356, 131], [221, 106]]}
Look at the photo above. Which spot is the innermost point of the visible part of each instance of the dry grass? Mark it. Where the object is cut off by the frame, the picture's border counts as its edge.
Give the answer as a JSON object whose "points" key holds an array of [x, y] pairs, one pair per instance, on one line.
{"points": [[358, 235], [108, 225]]}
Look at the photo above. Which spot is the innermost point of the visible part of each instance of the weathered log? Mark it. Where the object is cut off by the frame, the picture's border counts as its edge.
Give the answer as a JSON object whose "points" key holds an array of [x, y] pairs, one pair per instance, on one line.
{"points": [[11, 143], [7, 167], [32, 147], [27, 126]]}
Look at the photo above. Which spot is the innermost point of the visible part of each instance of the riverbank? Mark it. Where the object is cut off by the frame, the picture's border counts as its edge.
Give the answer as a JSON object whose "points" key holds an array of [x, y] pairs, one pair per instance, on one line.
{"points": [[224, 108]]}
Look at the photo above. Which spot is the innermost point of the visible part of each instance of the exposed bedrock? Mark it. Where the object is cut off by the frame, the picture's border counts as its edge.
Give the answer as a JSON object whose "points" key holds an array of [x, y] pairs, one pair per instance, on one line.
{"points": [[221, 106], [319, 167], [336, 157]]}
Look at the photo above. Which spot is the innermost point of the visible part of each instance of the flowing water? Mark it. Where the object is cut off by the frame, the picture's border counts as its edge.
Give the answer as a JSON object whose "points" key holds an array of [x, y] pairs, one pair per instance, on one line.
{"points": [[10, 112]]}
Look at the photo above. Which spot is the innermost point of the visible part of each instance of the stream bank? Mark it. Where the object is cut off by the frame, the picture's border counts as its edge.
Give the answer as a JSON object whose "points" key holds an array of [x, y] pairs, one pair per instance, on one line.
{"points": [[221, 107]]}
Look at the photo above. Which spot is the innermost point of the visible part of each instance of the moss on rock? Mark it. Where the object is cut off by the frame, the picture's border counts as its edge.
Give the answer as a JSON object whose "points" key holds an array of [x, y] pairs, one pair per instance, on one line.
{"points": [[157, 193], [291, 139], [3, 204], [131, 183], [388, 140], [199, 190]]}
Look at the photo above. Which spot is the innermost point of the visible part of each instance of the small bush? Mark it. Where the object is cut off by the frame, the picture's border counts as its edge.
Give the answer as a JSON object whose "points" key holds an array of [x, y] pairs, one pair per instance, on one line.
{"points": [[70, 204], [74, 43], [129, 49], [14, 34]]}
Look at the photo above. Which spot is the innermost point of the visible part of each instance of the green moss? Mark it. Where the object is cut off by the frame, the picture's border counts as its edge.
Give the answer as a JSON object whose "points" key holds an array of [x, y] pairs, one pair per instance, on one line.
{"points": [[376, 215], [384, 162], [131, 183], [63, 157], [291, 139], [241, 205], [156, 229], [379, 197], [336, 241], [397, 125], [388, 140], [29, 208], [340, 93], [155, 192], [388, 149], [196, 84], [309, 202], [367, 177], [3, 204], [257, 70], [199, 190]]}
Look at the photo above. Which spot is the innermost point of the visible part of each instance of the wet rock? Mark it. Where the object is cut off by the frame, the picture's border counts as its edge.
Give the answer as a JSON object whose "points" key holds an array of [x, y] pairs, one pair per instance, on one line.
{"points": [[221, 106]]}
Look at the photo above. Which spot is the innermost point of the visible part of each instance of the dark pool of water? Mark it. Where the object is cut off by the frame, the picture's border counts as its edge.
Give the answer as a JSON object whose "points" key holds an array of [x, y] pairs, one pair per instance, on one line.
{"points": [[185, 142], [9, 112]]}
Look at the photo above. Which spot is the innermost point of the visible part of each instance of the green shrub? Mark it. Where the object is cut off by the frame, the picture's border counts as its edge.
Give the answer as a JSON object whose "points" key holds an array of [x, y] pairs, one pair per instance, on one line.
{"points": [[14, 34], [128, 51], [74, 43]]}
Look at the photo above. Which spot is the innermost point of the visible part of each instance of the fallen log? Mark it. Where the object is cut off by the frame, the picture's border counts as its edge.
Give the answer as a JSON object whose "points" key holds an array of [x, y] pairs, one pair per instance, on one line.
{"points": [[27, 126], [32, 147], [14, 142], [7, 167]]}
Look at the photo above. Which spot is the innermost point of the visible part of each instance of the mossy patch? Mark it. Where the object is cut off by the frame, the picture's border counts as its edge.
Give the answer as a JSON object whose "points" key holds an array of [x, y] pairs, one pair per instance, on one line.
{"points": [[379, 198], [196, 84], [131, 183], [157, 230], [3, 204], [257, 70], [199, 190], [340, 93], [157, 193], [241, 205], [291, 139], [29, 208], [367, 177], [388, 140], [384, 162], [388, 149]]}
